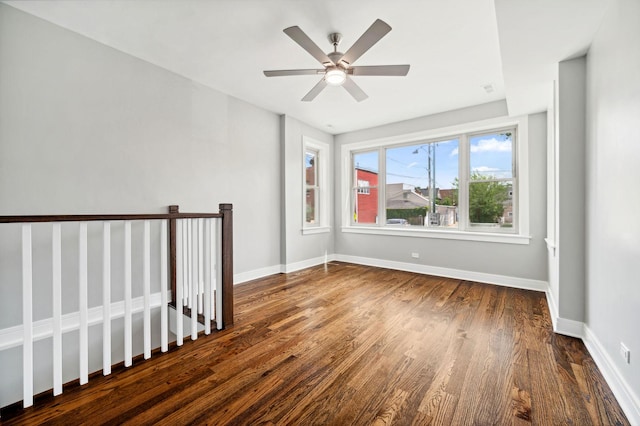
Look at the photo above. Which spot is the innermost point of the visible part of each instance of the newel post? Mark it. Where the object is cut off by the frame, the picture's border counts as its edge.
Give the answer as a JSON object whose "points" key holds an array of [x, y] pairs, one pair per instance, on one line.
{"points": [[172, 253], [227, 264]]}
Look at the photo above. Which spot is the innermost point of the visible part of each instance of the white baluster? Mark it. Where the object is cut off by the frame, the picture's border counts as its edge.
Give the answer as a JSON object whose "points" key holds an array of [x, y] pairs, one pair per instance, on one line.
{"points": [[200, 265], [189, 264], [179, 279], [146, 283], [106, 298], [207, 277], [213, 246], [164, 318], [83, 304], [185, 262], [127, 295], [193, 299], [27, 317], [56, 251]]}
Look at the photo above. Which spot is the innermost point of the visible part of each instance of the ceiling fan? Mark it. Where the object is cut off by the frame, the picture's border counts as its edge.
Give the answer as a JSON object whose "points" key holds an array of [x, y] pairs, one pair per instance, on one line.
{"points": [[338, 67]]}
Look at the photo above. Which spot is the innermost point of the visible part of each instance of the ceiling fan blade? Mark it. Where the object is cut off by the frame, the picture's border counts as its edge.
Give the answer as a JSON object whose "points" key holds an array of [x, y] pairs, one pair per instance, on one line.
{"points": [[381, 70], [374, 33], [354, 90], [307, 44], [315, 91], [279, 73]]}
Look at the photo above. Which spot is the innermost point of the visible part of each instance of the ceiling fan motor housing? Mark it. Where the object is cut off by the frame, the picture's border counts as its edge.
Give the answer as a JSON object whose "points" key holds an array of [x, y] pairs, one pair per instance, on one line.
{"points": [[335, 58], [335, 39]]}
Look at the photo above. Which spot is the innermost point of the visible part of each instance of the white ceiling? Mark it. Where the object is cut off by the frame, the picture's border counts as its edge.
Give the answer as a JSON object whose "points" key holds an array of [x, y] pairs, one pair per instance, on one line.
{"points": [[455, 48]]}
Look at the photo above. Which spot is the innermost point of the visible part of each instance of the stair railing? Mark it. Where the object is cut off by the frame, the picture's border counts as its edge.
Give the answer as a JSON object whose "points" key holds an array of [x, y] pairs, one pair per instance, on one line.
{"points": [[194, 270]]}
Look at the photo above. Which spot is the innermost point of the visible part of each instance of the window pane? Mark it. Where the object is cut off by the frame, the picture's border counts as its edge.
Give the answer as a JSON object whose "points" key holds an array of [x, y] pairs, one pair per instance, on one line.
{"points": [[365, 191], [422, 184], [491, 203], [310, 206], [491, 155], [310, 164]]}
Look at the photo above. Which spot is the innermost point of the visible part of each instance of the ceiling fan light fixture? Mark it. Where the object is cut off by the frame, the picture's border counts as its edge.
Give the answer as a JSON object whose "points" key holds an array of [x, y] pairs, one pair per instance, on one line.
{"points": [[335, 77]]}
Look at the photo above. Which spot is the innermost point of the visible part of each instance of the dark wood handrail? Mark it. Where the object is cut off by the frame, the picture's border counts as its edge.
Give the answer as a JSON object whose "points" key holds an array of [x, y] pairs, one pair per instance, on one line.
{"points": [[106, 217], [225, 213]]}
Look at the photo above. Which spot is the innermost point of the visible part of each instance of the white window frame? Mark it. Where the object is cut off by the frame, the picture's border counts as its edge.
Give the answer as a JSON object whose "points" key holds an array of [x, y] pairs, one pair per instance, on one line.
{"points": [[520, 199], [465, 182], [322, 204]]}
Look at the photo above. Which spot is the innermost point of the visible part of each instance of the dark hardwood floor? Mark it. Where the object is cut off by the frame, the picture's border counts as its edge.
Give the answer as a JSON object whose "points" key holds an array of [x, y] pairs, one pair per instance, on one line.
{"points": [[349, 344]]}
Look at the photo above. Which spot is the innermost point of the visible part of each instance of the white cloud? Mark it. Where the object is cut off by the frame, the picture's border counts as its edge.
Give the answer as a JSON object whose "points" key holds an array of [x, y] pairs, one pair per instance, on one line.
{"points": [[487, 145], [412, 164], [491, 145], [485, 169]]}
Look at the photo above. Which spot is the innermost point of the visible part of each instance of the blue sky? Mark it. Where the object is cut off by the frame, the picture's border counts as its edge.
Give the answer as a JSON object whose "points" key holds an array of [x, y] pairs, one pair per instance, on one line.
{"points": [[490, 155], [406, 167]]}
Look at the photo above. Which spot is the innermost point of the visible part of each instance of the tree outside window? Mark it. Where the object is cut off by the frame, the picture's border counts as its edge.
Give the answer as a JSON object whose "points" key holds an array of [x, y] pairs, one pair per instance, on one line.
{"points": [[491, 179]]}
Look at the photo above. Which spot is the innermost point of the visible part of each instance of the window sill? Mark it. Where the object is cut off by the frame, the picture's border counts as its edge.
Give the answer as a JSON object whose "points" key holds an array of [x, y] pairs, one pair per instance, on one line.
{"points": [[446, 235], [316, 230]]}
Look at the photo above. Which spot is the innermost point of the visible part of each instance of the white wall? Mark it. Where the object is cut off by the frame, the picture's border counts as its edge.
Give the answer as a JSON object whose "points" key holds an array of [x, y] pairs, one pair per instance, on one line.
{"points": [[612, 313], [552, 211], [477, 260], [85, 128], [570, 197], [301, 250]]}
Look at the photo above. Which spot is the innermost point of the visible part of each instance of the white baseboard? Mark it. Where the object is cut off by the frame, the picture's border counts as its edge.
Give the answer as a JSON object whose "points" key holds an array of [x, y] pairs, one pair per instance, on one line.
{"points": [[625, 394], [503, 280], [565, 326], [42, 329], [257, 273], [569, 327], [553, 309], [292, 267], [279, 269]]}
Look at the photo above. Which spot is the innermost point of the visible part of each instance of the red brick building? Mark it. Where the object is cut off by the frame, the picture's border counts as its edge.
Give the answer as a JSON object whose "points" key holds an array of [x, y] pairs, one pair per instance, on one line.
{"points": [[366, 204]]}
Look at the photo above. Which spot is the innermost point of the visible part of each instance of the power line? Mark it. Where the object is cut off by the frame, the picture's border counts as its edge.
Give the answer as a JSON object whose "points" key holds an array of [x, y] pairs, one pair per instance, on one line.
{"points": [[406, 176]]}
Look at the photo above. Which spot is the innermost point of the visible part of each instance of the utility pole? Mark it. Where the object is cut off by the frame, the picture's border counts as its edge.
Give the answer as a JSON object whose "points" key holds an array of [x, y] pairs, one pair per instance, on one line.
{"points": [[429, 178], [432, 215], [433, 181]]}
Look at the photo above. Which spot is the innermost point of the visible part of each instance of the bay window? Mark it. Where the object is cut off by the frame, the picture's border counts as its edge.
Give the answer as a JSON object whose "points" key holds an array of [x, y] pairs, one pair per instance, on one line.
{"points": [[461, 184]]}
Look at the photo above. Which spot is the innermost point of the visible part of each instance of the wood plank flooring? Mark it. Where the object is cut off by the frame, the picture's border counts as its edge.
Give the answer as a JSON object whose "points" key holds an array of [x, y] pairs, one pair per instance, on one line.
{"points": [[347, 344]]}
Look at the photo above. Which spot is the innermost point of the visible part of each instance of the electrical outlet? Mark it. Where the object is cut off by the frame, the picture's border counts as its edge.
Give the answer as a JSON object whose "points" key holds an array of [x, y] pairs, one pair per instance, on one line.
{"points": [[415, 255], [625, 353]]}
